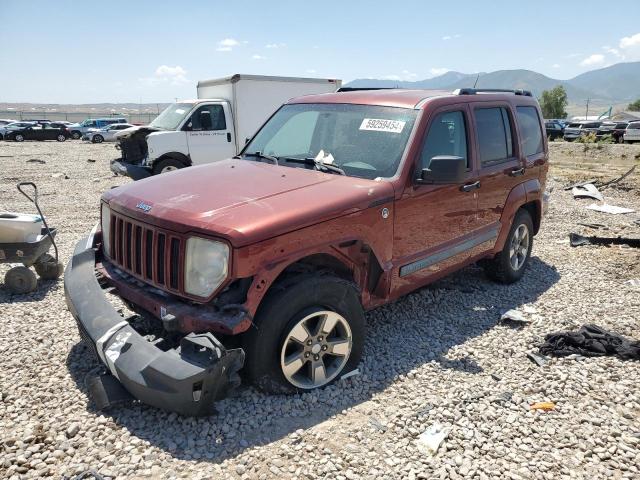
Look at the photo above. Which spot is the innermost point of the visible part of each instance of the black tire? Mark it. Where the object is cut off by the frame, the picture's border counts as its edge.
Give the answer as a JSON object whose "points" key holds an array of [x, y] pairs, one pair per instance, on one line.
{"points": [[166, 165], [501, 268], [97, 139], [20, 280], [285, 305], [61, 138], [76, 135], [47, 268], [18, 138]]}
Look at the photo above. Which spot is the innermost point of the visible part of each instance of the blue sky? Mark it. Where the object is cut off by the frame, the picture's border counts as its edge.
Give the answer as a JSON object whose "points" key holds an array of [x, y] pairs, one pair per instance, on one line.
{"points": [[153, 51]]}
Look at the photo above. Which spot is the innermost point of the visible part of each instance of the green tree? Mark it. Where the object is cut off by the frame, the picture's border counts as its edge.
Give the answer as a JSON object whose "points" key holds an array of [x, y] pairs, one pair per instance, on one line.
{"points": [[553, 102], [635, 106]]}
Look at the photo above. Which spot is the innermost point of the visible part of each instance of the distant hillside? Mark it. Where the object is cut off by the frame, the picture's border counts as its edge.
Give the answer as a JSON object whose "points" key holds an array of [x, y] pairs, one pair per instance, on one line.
{"points": [[620, 81], [615, 84]]}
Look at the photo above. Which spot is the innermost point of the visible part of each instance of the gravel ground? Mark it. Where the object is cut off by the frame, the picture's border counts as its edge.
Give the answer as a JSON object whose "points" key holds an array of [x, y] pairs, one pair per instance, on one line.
{"points": [[440, 355]]}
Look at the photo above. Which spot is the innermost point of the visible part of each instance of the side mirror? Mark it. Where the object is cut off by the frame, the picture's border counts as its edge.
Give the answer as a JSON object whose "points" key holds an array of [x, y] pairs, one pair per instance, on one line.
{"points": [[444, 169]]}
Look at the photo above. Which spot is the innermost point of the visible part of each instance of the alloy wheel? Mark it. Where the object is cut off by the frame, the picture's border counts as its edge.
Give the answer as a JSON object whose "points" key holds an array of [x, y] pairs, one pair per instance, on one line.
{"points": [[316, 349], [519, 247]]}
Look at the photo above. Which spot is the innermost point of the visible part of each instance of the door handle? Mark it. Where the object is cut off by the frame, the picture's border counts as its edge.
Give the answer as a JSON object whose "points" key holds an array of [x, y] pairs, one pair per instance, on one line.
{"points": [[516, 172], [470, 186], [229, 137]]}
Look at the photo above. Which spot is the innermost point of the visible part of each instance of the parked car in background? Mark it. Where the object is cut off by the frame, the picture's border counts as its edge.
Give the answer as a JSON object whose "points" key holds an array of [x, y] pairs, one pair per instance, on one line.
{"points": [[554, 129], [577, 129], [106, 134], [340, 203], [47, 131], [615, 129], [632, 133], [6, 121], [79, 129], [13, 126]]}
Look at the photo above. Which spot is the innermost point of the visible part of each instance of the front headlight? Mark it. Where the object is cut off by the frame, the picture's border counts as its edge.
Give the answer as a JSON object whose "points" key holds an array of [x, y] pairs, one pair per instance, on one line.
{"points": [[105, 223], [206, 266]]}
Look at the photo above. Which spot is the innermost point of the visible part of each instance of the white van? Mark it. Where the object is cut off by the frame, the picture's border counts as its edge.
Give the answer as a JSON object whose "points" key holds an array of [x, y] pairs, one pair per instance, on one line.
{"points": [[632, 133], [213, 127]]}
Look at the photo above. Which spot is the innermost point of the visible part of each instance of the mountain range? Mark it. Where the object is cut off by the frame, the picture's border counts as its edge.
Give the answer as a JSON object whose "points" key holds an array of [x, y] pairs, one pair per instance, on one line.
{"points": [[617, 83]]}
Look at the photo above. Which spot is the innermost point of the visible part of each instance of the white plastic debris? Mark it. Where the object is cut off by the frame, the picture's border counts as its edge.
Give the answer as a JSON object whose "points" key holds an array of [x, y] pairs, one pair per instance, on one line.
{"points": [[514, 316], [430, 440], [612, 209], [634, 282], [350, 374], [588, 190]]}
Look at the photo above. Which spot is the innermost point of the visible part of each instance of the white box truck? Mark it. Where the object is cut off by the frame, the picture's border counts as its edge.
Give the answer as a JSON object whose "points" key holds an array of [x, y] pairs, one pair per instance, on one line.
{"points": [[216, 126]]}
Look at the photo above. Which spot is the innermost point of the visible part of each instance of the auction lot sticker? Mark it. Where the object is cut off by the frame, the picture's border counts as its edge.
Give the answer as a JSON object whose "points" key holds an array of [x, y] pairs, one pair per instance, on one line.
{"points": [[380, 125]]}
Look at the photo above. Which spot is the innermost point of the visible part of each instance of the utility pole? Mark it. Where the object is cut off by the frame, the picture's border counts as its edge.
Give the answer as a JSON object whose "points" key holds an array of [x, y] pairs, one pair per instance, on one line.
{"points": [[586, 117]]}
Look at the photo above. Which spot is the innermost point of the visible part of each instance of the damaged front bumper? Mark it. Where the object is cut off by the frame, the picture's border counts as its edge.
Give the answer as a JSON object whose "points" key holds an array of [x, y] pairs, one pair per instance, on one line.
{"points": [[136, 172], [185, 380]]}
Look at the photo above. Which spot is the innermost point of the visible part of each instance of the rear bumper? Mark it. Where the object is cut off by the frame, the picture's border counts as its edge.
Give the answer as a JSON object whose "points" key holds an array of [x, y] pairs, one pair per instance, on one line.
{"points": [[136, 172], [185, 380]]}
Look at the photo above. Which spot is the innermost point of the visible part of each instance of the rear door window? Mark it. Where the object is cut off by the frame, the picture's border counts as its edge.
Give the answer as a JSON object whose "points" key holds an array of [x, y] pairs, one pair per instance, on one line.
{"points": [[493, 127], [447, 136], [530, 130]]}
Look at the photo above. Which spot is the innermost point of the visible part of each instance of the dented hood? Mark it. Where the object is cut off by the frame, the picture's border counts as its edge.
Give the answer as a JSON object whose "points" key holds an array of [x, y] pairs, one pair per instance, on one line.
{"points": [[244, 201]]}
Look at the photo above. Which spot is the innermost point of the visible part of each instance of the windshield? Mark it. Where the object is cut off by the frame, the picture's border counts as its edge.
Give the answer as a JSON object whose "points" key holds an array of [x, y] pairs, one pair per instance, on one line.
{"points": [[172, 116], [365, 141]]}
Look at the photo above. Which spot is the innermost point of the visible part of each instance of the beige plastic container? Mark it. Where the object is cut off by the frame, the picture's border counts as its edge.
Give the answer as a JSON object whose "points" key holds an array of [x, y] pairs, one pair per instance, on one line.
{"points": [[19, 227]]}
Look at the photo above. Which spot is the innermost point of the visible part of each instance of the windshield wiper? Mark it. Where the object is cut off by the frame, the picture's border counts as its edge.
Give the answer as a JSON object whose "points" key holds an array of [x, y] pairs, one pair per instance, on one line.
{"points": [[271, 158], [316, 163]]}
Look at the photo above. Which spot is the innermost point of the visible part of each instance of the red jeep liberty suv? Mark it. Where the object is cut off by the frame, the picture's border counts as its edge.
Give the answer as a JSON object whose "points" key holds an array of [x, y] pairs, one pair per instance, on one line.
{"points": [[340, 203]]}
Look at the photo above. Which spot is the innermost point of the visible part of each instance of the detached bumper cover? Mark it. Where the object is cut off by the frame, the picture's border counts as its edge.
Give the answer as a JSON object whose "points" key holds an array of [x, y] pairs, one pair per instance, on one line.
{"points": [[186, 380], [137, 172]]}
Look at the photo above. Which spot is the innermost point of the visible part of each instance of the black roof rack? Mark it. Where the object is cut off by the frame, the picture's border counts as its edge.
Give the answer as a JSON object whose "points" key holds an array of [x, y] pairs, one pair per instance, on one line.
{"points": [[473, 91], [357, 89]]}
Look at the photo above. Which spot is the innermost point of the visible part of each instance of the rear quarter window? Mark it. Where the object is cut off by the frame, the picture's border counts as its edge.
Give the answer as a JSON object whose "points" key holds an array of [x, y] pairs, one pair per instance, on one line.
{"points": [[530, 131]]}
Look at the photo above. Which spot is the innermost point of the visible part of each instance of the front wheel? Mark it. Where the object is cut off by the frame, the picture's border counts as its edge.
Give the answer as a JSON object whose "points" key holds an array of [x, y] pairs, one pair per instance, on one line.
{"points": [[509, 265], [308, 331], [61, 138], [19, 138], [97, 139], [167, 165], [76, 135]]}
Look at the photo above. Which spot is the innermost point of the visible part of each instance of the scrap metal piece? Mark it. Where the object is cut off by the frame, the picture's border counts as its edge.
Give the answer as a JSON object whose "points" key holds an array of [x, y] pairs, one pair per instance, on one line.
{"points": [[619, 179], [588, 190], [612, 209], [578, 240], [580, 184], [540, 360]]}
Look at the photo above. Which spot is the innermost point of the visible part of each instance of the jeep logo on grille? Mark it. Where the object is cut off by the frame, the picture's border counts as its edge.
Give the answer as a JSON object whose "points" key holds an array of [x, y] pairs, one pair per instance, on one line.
{"points": [[144, 207]]}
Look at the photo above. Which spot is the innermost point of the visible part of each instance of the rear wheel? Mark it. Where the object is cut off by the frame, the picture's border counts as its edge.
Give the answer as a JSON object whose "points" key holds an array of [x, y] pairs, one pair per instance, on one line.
{"points": [[308, 331], [76, 135], [61, 138], [167, 165], [20, 280], [47, 268], [19, 138], [510, 264], [97, 139]]}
